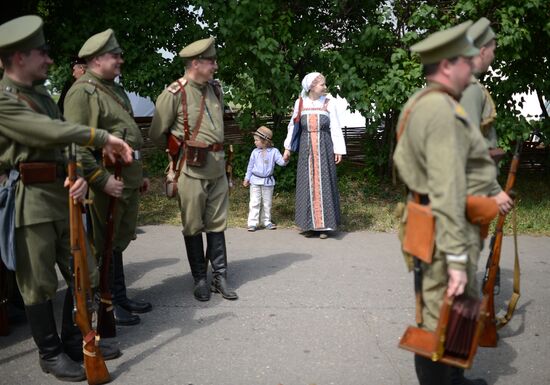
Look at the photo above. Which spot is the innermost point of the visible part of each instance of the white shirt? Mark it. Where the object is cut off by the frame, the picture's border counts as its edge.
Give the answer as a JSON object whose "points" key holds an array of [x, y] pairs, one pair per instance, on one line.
{"points": [[335, 129]]}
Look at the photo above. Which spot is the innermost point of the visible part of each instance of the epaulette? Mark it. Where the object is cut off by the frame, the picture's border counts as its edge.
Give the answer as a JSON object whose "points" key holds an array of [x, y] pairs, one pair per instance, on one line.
{"points": [[9, 91], [89, 87], [460, 112], [175, 87]]}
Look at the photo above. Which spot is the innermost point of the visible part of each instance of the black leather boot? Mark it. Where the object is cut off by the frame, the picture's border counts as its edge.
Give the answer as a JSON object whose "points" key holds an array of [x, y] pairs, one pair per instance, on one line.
{"points": [[72, 337], [457, 378], [119, 292], [217, 254], [195, 254], [429, 372], [50, 350]]}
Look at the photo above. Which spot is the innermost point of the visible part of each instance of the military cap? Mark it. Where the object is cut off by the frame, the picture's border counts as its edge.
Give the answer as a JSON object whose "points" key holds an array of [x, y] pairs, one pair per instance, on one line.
{"points": [[99, 44], [21, 34], [446, 44], [481, 32], [200, 49]]}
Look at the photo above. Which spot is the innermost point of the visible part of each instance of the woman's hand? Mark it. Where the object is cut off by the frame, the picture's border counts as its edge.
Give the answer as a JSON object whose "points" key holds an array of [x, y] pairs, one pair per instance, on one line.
{"points": [[286, 155], [337, 158], [246, 183]]}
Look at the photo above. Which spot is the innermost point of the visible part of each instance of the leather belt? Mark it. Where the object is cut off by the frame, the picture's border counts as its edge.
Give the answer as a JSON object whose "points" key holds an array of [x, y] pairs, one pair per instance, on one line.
{"points": [[215, 147]]}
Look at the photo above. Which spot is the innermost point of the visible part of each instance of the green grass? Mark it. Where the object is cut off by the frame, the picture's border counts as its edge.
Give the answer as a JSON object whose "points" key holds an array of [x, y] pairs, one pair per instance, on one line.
{"points": [[364, 205]]}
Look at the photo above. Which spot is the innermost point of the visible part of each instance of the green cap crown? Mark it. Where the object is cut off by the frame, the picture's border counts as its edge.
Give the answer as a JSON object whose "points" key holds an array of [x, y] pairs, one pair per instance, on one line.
{"points": [[481, 32], [200, 49], [99, 44], [446, 44], [21, 34]]}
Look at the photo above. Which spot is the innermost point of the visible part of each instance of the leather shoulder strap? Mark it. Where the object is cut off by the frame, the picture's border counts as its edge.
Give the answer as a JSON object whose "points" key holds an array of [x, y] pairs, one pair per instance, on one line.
{"points": [[408, 111], [108, 92]]}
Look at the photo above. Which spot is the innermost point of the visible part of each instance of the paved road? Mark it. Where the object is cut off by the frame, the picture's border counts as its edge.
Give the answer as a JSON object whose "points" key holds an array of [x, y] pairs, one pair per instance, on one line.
{"points": [[310, 311]]}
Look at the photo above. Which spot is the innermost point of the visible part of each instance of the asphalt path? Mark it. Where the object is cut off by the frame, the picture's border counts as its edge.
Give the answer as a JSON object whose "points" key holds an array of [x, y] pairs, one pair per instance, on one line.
{"points": [[310, 311]]}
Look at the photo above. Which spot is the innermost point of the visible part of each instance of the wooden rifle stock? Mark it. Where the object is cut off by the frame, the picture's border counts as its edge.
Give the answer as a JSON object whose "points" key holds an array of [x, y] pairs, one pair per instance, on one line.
{"points": [[105, 319], [96, 370], [489, 335]]}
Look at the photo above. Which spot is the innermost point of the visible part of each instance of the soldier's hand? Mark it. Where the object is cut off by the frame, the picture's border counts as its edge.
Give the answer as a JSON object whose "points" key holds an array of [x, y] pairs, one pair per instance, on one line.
{"points": [[337, 158], [286, 155], [504, 202], [78, 190], [113, 187], [457, 282], [116, 146]]}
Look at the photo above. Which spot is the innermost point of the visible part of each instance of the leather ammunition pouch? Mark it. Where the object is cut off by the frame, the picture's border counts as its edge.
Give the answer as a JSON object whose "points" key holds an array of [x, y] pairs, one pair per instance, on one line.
{"points": [[195, 153], [481, 210], [38, 172]]}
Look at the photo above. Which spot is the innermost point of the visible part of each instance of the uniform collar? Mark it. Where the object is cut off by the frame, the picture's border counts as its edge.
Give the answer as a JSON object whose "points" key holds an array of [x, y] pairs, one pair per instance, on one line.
{"points": [[15, 87], [98, 78], [195, 84], [444, 88]]}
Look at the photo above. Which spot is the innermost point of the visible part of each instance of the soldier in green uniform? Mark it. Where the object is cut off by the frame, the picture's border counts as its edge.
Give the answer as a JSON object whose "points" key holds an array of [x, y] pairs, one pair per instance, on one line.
{"points": [[97, 100], [476, 100], [33, 138], [194, 101], [442, 157]]}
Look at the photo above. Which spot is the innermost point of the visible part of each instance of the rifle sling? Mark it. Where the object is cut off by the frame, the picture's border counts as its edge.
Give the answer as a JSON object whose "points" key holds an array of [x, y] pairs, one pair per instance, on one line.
{"points": [[501, 321]]}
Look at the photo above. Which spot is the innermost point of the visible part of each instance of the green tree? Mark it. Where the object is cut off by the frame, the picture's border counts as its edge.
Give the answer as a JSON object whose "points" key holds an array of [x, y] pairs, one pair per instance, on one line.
{"points": [[269, 45]]}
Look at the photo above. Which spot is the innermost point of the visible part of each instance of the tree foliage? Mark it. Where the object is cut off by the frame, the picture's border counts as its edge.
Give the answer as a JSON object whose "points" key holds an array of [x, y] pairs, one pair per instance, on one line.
{"points": [[266, 47]]}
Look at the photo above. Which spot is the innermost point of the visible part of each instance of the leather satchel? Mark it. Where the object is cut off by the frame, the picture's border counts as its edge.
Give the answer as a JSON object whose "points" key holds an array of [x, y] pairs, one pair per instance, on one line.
{"points": [[419, 239], [481, 210]]}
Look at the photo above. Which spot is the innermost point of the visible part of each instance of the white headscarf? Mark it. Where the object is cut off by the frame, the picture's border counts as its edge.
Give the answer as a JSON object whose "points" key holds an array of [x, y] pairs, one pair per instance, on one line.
{"points": [[307, 81]]}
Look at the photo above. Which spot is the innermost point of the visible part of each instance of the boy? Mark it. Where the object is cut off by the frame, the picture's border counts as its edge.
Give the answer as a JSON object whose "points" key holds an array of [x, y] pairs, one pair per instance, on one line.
{"points": [[259, 175]]}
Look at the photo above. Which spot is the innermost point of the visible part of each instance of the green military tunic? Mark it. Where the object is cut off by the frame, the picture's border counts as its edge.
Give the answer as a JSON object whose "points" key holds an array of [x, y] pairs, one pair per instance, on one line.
{"points": [[31, 132], [102, 103], [481, 110], [202, 191], [441, 154]]}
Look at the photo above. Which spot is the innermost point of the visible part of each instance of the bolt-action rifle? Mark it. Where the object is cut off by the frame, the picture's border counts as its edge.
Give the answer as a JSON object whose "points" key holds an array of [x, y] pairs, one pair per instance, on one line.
{"points": [[96, 370], [489, 335], [105, 318]]}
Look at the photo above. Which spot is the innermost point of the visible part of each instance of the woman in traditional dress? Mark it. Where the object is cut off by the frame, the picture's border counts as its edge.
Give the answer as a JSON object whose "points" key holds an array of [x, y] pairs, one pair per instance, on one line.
{"points": [[321, 147]]}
